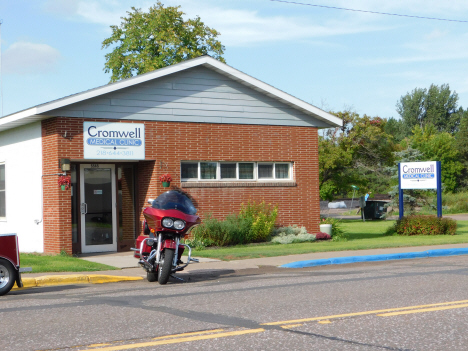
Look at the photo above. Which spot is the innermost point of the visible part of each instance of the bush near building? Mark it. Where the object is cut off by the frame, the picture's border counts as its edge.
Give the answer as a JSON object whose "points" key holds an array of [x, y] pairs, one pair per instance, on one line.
{"points": [[424, 225], [254, 223]]}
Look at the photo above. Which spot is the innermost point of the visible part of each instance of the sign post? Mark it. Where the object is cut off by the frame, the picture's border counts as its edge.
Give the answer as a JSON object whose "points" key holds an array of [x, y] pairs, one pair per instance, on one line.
{"points": [[439, 190], [420, 175], [354, 192]]}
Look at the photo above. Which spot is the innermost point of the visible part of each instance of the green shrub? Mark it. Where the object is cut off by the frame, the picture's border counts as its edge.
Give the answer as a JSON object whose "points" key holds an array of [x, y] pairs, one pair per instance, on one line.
{"points": [[291, 234], [254, 223], [338, 233], [262, 217], [424, 225], [294, 230], [291, 238]]}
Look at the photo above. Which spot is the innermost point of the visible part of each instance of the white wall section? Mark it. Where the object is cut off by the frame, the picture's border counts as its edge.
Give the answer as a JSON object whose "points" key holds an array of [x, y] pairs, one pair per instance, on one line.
{"points": [[21, 151]]}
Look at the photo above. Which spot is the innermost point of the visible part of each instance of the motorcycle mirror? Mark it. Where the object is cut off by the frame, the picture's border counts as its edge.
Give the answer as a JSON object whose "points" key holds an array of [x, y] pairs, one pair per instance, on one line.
{"points": [[150, 201]]}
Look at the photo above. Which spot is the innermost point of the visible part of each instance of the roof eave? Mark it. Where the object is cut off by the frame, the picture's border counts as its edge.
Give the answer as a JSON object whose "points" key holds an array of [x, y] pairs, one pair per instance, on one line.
{"points": [[206, 61]]}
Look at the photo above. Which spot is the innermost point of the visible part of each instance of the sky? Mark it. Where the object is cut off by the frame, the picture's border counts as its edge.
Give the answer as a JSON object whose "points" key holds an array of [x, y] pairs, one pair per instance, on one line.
{"points": [[333, 59]]}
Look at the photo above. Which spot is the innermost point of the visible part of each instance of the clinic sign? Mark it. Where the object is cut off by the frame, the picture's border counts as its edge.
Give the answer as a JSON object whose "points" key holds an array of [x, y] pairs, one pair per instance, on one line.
{"points": [[418, 175], [114, 141]]}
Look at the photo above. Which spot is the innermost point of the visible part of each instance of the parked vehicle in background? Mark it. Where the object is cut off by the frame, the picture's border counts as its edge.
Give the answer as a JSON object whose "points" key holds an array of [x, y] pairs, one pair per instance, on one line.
{"points": [[9, 263], [167, 221]]}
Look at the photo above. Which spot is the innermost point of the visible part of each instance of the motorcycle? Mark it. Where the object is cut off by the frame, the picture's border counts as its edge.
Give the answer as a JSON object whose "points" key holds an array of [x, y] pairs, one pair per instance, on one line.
{"points": [[169, 219]]}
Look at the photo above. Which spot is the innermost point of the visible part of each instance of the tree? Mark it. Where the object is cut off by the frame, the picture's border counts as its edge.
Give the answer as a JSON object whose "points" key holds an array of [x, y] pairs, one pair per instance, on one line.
{"points": [[396, 128], [439, 146], [461, 144], [437, 106], [355, 153], [146, 41]]}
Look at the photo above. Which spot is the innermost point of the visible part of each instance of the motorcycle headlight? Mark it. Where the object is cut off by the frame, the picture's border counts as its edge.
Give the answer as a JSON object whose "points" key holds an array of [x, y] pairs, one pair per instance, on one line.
{"points": [[178, 224], [167, 222]]}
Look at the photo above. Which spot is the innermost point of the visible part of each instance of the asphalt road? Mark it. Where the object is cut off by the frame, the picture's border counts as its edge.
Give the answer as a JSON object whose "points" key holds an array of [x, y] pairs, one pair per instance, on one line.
{"points": [[400, 305]]}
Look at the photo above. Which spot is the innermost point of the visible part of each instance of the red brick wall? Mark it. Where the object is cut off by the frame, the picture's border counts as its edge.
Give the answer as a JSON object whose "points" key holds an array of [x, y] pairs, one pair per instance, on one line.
{"points": [[57, 204], [169, 143]]}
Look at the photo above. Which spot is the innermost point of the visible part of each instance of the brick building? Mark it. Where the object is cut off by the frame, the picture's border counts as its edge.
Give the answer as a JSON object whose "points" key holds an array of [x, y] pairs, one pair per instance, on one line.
{"points": [[223, 136]]}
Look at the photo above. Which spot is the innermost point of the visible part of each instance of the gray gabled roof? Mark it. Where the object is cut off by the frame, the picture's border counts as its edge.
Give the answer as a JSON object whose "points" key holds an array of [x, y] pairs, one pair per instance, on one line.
{"points": [[39, 112]]}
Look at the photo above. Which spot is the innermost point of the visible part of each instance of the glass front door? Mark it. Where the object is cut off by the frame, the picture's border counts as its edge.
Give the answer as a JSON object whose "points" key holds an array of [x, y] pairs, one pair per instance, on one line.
{"points": [[98, 208]]}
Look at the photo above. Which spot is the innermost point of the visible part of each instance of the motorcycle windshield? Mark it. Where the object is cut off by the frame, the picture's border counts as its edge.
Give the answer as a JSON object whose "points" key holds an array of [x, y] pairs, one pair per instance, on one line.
{"points": [[174, 200]]}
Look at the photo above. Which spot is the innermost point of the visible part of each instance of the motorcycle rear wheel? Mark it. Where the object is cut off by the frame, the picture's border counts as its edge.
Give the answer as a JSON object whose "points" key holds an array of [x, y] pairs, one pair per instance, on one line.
{"points": [[165, 266], [152, 276]]}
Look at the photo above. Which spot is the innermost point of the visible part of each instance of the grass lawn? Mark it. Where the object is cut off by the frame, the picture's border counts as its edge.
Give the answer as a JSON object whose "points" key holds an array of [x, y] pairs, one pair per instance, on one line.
{"points": [[60, 263], [362, 235]]}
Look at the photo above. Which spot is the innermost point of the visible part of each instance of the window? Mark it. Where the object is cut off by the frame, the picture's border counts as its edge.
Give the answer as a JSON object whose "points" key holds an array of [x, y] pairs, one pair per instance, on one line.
{"points": [[246, 171], [265, 171], [233, 171], [208, 170], [228, 170], [282, 171], [2, 192], [189, 170]]}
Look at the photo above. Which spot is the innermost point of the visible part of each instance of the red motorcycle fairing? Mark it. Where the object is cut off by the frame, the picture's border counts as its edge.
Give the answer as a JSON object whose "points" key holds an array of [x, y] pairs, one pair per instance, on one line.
{"points": [[154, 217]]}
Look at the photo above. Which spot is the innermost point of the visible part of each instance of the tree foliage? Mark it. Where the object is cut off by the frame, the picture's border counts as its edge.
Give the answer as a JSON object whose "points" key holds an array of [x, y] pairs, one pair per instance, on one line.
{"points": [[355, 153], [396, 128], [146, 41], [439, 147], [437, 106], [461, 144]]}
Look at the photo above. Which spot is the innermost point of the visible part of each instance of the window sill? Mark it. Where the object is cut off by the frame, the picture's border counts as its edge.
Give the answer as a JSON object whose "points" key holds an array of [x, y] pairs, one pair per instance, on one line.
{"points": [[235, 184]]}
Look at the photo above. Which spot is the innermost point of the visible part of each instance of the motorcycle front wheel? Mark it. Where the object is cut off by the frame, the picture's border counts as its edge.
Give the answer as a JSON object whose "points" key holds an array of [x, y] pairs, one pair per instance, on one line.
{"points": [[165, 265]]}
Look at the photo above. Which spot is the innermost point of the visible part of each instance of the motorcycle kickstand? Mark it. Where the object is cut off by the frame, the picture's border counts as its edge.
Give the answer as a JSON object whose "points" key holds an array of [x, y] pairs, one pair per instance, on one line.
{"points": [[176, 277]]}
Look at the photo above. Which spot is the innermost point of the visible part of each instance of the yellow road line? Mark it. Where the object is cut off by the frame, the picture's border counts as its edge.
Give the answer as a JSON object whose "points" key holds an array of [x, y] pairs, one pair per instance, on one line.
{"points": [[160, 337], [187, 334], [325, 322], [98, 345], [180, 340], [362, 313], [422, 310], [218, 333]]}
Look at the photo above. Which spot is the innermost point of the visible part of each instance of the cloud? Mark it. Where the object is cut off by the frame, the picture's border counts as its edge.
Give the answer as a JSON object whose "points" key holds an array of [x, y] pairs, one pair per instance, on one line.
{"points": [[29, 58], [435, 46], [104, 12], [61, 7], [238, 26], [245, 27]]}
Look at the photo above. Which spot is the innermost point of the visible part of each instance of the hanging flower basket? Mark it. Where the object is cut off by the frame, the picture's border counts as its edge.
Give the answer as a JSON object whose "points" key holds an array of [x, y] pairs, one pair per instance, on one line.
{"points": [[166, 180], [64, 182]]}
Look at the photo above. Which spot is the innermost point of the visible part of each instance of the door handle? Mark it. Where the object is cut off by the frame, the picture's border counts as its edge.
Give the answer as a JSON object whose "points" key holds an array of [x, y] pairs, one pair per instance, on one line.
{"points": [[84, 208]]}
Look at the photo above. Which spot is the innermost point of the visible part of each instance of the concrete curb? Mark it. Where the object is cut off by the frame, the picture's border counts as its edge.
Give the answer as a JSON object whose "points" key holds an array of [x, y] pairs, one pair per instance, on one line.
{"points": [[375, 258], [53, 280]]}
